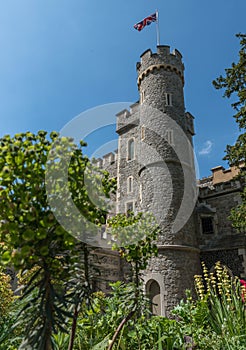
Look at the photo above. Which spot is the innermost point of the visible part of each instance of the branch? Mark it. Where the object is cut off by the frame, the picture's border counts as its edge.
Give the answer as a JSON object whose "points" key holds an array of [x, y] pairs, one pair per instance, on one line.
{"points": [[73, 330], [121, 325]]}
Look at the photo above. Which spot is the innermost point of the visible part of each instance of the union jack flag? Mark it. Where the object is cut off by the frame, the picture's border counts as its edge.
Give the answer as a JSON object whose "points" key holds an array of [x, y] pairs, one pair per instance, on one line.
{"points": [[145, 22]]}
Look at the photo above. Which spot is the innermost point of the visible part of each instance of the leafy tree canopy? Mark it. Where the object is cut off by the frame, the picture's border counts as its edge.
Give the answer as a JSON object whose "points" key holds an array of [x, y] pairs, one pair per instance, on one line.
{"points": [[31, 236], [234, 85]]}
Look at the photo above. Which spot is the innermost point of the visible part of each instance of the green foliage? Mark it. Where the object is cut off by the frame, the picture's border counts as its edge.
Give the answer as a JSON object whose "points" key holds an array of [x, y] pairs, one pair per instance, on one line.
{"points": [[234, 84], [97, 325], [11, 327], [8, 314], [214, 321], [223, 295], [6, 294], [10, 339], [134, 239], [32, 238], [217, 320], [56, 274], [38, 175]]}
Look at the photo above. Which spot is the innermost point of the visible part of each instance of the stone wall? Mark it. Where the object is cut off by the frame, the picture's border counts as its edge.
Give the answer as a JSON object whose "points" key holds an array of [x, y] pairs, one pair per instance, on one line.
{"points": [[108, 267], [177, 266], [128, 129], [227, 257], [218, 196]]}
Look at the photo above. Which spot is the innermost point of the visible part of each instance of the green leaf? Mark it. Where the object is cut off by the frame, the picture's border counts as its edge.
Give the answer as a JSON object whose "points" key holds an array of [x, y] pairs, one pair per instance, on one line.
{"points": [[6, 256]]}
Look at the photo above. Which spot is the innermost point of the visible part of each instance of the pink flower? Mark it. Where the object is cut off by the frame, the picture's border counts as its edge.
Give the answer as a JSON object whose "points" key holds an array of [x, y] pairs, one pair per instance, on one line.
{"points": [[243, 283]]}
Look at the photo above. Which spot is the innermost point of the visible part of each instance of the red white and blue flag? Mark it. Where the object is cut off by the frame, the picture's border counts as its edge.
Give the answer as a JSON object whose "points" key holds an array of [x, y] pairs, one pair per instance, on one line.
{"points": [[146, 22]]}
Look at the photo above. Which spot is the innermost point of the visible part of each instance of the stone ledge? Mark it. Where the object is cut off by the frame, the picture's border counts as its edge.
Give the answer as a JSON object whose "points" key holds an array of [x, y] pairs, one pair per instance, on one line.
{"points": [[178, 247]]}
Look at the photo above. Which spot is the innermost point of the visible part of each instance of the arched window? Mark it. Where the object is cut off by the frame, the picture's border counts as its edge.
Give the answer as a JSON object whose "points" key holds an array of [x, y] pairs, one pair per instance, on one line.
{"points": [[130, 184], [131, 149], [153, 292]]}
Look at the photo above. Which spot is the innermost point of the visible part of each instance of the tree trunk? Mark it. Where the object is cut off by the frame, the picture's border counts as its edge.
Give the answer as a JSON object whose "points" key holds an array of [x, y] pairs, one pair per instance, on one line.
{"points": [[121, 325], [73, 330]]}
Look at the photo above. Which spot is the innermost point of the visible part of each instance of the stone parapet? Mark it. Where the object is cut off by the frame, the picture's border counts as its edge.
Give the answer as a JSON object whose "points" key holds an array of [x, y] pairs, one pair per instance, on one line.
{"points": [[220, 175], [106, 160], [163, 59], [127, 119]]}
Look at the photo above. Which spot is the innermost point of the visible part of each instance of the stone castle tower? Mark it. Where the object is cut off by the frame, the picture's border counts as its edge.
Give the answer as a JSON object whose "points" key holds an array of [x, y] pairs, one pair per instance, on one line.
{"points": [[155, 162], [154, 167]]}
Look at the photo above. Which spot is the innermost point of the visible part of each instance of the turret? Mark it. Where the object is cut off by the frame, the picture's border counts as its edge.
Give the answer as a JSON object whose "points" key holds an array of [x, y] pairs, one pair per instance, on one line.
{"points": [[161, 81], [156, 172]]}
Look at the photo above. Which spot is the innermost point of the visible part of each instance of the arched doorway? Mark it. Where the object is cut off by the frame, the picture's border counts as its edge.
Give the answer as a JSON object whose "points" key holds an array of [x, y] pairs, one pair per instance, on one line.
{"points": [[153, 292]]}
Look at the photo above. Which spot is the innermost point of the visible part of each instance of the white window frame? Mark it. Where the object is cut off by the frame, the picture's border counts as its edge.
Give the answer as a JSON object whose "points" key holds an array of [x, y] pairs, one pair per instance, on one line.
{"points": [[168, 99], [131, 140], [141, 193], [130, 182], [142, 96]]}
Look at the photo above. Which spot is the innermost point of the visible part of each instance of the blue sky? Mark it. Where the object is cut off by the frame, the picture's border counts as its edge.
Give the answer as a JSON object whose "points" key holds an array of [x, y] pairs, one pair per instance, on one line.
{"points": [[59, 58]]}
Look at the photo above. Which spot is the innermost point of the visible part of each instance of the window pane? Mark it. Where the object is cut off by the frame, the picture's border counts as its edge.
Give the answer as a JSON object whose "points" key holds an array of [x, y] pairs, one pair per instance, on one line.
{"points": [[207, 225], [168, 98], [131, 149], [130, 184]]}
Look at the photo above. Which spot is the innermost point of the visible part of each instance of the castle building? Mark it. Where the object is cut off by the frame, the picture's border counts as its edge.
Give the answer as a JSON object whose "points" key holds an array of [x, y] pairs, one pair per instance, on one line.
{"points": [[154, 167]]}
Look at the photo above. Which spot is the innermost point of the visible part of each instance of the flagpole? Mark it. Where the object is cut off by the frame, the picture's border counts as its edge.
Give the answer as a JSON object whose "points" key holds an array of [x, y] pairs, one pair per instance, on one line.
{"points": [[157, 28]]}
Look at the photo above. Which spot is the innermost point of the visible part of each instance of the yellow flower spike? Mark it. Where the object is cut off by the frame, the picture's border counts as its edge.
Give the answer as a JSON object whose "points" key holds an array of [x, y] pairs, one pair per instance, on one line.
{"points": [[218, 266], [197, 277]]}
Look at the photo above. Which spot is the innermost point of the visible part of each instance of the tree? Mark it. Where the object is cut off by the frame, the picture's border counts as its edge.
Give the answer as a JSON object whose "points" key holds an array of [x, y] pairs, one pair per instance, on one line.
{"points": [[33, 239], [234, 84], [134, 239]]}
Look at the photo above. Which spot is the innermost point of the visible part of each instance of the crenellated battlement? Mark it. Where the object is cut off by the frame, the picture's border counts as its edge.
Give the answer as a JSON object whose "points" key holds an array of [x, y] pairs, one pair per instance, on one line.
{"points": [[162, 59], [220, 175], [107, 160], [127, 118], [221, 180], [163, 55]]}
